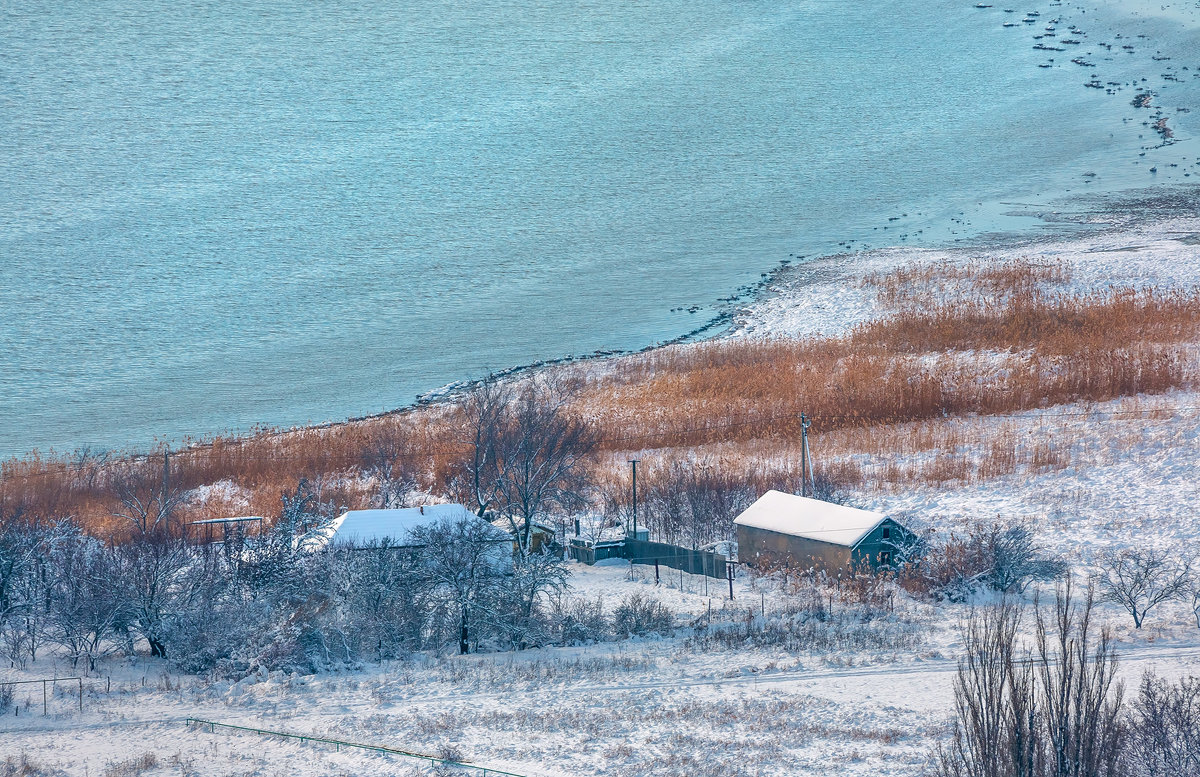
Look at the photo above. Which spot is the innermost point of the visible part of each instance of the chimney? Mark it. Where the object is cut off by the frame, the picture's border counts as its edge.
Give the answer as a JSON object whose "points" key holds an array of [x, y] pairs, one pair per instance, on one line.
{"points": [[422, 509]]}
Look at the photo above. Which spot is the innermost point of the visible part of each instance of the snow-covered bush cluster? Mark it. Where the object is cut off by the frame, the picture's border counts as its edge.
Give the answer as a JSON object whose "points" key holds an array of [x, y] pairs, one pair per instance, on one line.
{"points": [[820, 613], [799, 629], [1005, 559], [268, 601], [579, 620]]}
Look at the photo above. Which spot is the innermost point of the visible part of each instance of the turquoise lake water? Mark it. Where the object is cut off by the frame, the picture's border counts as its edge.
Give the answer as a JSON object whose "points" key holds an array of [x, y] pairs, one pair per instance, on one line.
{"points": [[219, 215]]}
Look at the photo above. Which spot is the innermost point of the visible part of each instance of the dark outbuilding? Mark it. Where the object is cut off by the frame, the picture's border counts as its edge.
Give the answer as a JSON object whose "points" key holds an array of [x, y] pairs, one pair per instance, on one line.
{"points": [[797, 531]]}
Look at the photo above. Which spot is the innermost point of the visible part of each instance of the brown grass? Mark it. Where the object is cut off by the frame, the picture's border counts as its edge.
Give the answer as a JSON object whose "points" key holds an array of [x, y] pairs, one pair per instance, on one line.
{"points": [[945, 361], [1001, 340]]}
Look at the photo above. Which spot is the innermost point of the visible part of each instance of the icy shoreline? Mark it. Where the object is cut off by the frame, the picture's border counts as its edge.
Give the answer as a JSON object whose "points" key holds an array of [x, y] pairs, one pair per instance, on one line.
{"points": [[1135, 239], [1138, 240]]}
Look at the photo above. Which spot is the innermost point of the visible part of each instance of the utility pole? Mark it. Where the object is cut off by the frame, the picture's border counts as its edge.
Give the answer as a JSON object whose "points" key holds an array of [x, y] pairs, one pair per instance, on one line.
{"points": [[805, 465], [634, 463], [162, 500]]}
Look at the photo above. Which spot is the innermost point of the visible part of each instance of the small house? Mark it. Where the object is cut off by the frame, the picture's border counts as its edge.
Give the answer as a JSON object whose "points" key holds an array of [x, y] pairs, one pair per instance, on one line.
{"points": [[397, 528], [794, 530]]}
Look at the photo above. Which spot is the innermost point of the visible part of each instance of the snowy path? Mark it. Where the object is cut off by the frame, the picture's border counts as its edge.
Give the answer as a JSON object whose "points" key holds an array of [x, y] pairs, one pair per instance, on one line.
{"points": [[1177, 655]]}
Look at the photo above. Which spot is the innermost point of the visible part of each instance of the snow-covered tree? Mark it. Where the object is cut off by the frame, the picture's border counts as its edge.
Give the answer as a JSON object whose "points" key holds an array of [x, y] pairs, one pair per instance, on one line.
{"points": [[1141, 579]]}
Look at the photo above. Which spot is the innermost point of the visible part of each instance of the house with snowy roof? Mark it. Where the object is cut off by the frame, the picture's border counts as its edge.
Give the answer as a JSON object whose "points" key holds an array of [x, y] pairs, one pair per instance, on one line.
{"points": [[402, 528], [797, 531]]}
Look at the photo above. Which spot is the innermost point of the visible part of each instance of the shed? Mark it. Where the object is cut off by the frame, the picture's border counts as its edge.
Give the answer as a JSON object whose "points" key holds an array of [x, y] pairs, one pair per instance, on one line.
{"points": [[541, 535], [784, 528]]}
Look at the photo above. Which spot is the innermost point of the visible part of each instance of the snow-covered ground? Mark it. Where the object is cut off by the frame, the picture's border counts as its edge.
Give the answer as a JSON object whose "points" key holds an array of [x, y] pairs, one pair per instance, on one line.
{"points": [[826, 296], [647, 707], [665, 706]]}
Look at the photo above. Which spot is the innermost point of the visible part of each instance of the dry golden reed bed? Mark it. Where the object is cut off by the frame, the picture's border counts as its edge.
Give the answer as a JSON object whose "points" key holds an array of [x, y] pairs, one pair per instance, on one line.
{"points": [[952, 341]]}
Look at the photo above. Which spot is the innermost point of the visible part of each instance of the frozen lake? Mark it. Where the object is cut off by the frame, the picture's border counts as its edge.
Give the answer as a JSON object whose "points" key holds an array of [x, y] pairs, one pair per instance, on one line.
{"points": [[219, 215]]}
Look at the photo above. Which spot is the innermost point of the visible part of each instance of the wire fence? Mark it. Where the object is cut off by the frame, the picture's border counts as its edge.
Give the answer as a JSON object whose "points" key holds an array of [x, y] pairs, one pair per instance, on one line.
{"points": [[338, 744], [47, 683]]}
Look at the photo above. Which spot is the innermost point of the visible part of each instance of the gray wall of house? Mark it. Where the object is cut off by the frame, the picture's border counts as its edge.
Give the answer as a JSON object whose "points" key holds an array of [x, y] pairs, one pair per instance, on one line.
{"points": [[770, 547], [777, 548]]}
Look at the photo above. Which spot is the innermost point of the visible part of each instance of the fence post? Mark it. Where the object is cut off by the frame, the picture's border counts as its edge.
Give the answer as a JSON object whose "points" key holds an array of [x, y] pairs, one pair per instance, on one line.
{"points": [[81, 694], [45, 705], [656, 570]]}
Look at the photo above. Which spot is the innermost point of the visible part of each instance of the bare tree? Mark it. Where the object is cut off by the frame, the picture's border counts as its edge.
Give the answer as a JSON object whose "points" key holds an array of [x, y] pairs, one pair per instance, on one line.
{"points": [[536, 579], [1140, 580], [26, 547], [85, 609], [150, 575], [18, 552], [1053, 711], [271, 559], [1165, 729], [387, 459], [384, 598], [485, 418], [462, 563], [540, 456], [994, 733], [146, 494], [1080, 698], [1192, 593], [692, 502], [89, 464]]}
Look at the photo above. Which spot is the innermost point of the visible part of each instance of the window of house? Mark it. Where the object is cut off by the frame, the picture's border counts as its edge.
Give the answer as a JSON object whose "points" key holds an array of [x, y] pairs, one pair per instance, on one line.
{"points": [[885, 558], [887, 532]]}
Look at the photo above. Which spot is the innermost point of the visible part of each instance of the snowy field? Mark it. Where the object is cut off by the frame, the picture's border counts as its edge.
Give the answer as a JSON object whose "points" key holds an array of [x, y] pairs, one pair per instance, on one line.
{"points": [[656, 706], [676, 706], [638, 708]]}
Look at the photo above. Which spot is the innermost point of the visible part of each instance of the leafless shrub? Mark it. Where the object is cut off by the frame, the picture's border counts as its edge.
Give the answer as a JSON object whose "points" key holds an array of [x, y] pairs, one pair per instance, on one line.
{"points": [[990, 557], [639, 615], [22, 766], [817, 617], [1164, 729], [133, 767], [1018, 559], [1141, 579], [580, 620]]}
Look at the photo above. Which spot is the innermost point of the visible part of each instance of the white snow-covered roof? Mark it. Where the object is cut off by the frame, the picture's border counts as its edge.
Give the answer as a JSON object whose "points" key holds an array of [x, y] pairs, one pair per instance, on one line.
{"points": [[812, 519], [361, 527]]}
